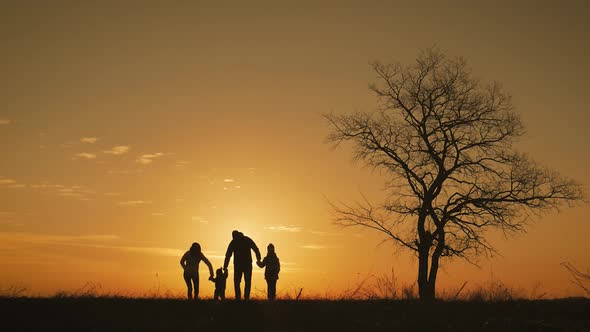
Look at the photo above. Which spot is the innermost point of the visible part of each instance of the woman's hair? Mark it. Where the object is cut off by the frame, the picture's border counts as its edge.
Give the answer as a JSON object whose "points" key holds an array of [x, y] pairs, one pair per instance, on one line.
{"points": [[195, 249]]}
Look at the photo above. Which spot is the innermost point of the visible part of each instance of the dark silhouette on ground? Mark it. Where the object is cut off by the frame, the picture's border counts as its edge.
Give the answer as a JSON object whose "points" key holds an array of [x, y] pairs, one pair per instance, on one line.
{"points": [[271, 272], [446, 144], [123, 314], [240, 247], [190, 264], [220, 282]]}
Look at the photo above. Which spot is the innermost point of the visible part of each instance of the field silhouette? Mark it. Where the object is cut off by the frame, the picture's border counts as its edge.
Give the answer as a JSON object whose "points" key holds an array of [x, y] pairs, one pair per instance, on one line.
{"points": [[128, 314]]}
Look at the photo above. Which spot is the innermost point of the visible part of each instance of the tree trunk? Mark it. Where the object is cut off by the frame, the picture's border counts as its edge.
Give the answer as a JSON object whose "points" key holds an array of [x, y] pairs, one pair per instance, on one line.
{"points": [[440, 245], [423, 282]]}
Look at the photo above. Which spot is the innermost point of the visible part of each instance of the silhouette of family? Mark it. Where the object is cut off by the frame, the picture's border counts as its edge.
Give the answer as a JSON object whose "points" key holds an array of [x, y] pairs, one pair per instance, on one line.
{"points": [[240, 248]]}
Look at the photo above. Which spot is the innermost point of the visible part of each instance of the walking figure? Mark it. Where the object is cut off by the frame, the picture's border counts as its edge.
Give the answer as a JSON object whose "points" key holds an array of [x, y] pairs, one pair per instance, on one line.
{"points": [[190, 264], [220, 281], [240, 247], [271, 273]]}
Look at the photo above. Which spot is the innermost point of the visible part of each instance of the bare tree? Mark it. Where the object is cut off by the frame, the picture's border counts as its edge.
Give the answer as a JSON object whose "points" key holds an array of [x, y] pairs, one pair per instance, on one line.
{"points": [[580, 279], [445, 142]]}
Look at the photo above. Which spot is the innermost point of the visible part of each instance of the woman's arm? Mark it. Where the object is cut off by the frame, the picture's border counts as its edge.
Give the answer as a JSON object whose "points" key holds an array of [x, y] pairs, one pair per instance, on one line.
{"points": [[208, 265], [183, 262]]}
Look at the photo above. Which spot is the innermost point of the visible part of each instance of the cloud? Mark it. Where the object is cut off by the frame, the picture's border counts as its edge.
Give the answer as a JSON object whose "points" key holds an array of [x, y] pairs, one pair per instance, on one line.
{"points": [[322, 233], [228, 180], [100, 241], [85, 155], [67, 145], [10, 183], [5, 122], [89, 140], [5, 181], [198, 219], [181, 164], [75, 192], [285, 229], [149, 158], [78, 192], [133, 203], [151, 250], [157, 214], [118, 150], [313, 247], [56, 238]]}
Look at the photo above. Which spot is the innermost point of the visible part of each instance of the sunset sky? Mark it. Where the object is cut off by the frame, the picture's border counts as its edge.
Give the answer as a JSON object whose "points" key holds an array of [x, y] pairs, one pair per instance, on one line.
{"points": [[129, 130]]}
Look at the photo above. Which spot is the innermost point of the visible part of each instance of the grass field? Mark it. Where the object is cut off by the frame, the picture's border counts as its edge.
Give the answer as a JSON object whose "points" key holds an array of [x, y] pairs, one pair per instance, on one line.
{"points": [[124, 314]]}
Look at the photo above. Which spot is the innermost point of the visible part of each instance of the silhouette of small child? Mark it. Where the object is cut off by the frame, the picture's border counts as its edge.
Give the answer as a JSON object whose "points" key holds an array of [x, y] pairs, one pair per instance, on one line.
{"points": [[220, 281], [271, 273]]}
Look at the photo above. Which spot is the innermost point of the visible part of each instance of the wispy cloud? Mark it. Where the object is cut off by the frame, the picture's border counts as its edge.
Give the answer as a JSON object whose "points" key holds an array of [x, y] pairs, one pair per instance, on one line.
{"points": [[10, 183], [56, 238], [89, 140], [75, 191], [68, 144], [85, 155], [322, 233], [198, 219], [290, 228], [313, 247], [157, 214], [149, 158], [5, 181], [118, 150], [173, 252], [78, 192], [228, 180], [100, 241], [134, 203], [5, 122], [181, 164]]}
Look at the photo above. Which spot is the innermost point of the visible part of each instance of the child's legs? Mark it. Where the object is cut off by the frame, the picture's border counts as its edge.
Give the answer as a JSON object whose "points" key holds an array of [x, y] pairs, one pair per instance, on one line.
{"points": [[272, 289]]}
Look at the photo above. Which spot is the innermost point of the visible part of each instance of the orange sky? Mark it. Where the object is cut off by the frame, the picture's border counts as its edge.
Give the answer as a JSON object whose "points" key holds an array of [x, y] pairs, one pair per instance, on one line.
{"points": [[129, 132]]}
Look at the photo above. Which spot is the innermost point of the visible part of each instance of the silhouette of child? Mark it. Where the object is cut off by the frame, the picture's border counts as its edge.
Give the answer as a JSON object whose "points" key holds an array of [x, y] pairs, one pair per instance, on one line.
{"points": [[220, 281], [271, 273]]}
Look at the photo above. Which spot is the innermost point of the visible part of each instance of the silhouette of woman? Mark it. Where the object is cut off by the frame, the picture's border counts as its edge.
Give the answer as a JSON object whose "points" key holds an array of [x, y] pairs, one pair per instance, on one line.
{"points": [[190, 264]]}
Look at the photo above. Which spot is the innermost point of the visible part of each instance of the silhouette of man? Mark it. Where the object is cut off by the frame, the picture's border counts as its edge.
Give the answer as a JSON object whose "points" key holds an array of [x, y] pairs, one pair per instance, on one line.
{"points": [[240, 247]]}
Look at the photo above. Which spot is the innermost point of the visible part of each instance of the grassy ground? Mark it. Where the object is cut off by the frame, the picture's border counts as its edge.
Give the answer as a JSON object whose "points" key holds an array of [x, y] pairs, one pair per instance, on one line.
{"points": [[119, 314]]}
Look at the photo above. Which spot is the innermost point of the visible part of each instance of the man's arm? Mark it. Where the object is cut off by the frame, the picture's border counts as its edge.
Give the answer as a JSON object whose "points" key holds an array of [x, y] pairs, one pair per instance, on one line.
{"points": [[228, 253], [256, 251]]}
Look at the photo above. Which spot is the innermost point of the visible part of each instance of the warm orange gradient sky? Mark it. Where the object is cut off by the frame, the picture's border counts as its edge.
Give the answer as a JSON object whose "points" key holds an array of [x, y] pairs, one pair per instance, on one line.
{"points": [[128, 130]]}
